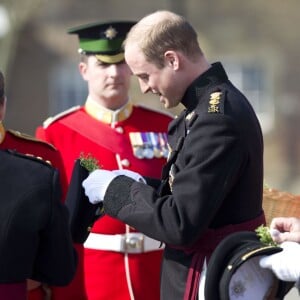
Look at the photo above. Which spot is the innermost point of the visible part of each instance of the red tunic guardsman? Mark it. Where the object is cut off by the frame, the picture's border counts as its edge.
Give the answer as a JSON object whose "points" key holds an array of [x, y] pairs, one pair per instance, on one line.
{"points": [[119, 146], [119, 263], [120, 136]]}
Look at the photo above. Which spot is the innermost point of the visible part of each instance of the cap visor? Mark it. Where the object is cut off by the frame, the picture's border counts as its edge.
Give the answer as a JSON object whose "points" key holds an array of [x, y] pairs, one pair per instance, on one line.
{"points": [[110, 59]]}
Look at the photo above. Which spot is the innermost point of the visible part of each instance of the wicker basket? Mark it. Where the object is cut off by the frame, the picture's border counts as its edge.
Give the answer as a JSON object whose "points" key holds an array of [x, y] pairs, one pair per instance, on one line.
{"points": [[280, 204]]}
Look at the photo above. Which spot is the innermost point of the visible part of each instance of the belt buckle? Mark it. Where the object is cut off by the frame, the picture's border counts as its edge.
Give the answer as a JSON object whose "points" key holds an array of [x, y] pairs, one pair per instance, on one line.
{"points": [[133, 243]]}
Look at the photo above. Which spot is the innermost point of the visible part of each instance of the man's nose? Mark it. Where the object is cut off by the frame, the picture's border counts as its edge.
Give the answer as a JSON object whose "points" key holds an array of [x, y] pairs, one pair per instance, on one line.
{"points": [[113, 69], [144, 87]]}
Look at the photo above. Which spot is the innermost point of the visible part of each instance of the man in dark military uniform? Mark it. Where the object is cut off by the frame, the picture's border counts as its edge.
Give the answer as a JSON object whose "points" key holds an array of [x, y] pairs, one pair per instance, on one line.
{"points": [[122, 136], [213, 180], [23, 143], [35, 240]]}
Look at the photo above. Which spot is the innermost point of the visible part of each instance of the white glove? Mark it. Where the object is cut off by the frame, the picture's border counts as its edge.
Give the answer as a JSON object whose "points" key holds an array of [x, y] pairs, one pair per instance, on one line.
{"points": [[96, 184], [285, 264], [135, 176]]}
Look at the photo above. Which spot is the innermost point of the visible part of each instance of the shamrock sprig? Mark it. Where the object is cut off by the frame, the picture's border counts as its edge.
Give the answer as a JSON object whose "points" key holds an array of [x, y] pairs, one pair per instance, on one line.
{"points": [[263, 233], [89, 162]]}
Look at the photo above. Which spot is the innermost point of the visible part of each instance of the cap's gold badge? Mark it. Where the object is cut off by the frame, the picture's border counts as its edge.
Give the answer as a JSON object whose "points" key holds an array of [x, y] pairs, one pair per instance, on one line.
{"points": [[110, 33], [214, 102]]}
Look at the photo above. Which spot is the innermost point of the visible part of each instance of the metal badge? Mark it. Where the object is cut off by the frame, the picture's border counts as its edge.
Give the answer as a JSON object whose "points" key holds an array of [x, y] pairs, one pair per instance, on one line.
{"points": [[214, 102], [110, 33], [172, 173], [190, 115]]}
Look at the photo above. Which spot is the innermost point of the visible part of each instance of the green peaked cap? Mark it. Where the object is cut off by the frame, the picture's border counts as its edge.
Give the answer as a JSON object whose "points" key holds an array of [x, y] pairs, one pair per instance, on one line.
{"points": [[104, 40]]}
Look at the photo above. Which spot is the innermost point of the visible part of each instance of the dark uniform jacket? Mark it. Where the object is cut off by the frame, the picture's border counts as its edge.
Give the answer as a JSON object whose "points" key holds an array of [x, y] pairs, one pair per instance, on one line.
{"points": [[213, 179], [24, 143], [35, 240]]}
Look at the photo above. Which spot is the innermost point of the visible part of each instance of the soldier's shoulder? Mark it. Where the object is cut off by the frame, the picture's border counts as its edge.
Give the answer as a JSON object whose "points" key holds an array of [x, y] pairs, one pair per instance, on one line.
{"points": [[30, 139], [26, 157], [154, 111], [60, 115]]}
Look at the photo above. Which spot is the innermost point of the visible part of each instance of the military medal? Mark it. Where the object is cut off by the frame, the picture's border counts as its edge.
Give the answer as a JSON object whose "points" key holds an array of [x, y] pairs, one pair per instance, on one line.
{"points": [[147, 148], [155, 143], [163, 141], [137, 144], [149, 144]]}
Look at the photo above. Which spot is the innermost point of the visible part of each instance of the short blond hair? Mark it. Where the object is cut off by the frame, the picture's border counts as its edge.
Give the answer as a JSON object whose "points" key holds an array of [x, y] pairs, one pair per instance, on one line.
{"points": [[161, 31]]}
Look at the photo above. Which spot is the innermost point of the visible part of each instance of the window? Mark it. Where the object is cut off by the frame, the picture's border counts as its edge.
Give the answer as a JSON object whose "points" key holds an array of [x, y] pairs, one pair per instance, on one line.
{"points": [[255, 81]]}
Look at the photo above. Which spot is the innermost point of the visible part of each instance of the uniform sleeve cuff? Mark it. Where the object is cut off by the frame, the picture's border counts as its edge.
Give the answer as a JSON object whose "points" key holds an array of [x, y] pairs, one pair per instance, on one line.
{"points": [[117, 195]]}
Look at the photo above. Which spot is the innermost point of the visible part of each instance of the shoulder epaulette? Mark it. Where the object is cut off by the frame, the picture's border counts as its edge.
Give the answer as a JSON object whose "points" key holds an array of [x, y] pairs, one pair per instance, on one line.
{"points": [[31, 157], [38, 159], [163, 112], [50, 120], [28, 137]]}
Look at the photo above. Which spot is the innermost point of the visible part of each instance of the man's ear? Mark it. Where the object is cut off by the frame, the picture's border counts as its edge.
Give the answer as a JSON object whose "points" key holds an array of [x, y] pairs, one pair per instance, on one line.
{"points": [[172, 59], [82, 66]]}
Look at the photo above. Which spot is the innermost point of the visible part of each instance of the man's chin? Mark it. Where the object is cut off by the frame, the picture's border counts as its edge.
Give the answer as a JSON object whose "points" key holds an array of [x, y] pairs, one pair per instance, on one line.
{"points": [[163, 101]]}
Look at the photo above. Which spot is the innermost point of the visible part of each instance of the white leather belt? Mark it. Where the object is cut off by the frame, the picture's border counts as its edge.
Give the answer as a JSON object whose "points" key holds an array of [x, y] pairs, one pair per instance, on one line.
{"points": [[126, 243]]}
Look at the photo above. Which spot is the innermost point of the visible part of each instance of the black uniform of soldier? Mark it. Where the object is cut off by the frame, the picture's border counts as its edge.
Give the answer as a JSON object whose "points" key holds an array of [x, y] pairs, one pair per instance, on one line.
{"points": [[213, 180], [35, 240]]}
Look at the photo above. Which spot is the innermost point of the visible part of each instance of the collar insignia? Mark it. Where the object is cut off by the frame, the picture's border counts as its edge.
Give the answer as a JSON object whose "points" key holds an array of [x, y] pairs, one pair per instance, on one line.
{"points": [[190, 116]]}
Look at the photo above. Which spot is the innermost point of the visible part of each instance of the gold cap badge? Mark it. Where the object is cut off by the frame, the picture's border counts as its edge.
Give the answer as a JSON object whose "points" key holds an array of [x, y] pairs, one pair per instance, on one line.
{"points": [[110, 33]]}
